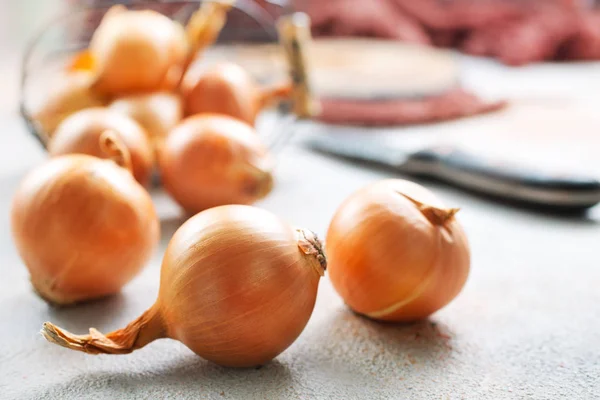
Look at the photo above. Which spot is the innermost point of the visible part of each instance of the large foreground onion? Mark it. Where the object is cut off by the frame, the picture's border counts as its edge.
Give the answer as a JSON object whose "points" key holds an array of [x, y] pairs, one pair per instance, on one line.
{"points": [[83, 226], [238, 286], [80, 134], [395, 252]]}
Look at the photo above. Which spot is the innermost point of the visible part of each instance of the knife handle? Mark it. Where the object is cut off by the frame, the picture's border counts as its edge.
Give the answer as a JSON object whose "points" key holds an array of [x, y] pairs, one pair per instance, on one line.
{"points": [[507, 181]]}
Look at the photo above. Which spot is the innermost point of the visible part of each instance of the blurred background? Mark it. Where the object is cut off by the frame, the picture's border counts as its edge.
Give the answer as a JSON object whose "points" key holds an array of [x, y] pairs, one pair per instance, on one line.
{"points": [[531, 63]]}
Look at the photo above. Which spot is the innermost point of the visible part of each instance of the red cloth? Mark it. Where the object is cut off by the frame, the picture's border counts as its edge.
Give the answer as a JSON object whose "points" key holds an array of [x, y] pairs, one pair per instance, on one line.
{"points": [[585, 44], [516, 32], [456, 103], [537, 35]]}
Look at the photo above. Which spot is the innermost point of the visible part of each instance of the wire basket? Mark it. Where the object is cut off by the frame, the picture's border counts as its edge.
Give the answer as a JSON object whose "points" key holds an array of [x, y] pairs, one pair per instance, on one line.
{"points": [[55, 45]]}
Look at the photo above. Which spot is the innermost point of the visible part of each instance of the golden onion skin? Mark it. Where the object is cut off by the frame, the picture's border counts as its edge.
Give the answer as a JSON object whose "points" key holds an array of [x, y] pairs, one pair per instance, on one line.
{"points": [[80, 134], [390, 262], [238, 286], [66, 95], [224, 88], [157, 113], [137, 51], [83, 227], [244, 293], [210, 160]]}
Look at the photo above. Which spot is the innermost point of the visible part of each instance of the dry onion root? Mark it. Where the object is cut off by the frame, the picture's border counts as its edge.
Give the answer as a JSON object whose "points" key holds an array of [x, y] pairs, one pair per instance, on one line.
{"points": [[226, 88], [133, 51], [83, 226], [157, 113], [210, 160], [238, 286], [80, 134], [69, 94], [396, 253]]}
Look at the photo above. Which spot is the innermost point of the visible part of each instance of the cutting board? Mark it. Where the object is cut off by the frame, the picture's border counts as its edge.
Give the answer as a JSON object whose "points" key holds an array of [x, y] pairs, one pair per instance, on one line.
{"points": [[552, 120], [353, 68]]}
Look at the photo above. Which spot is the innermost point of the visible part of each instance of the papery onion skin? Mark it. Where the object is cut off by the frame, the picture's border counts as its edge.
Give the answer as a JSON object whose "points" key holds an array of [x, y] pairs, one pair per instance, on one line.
{"points": [[210, 160], [67, 95], [80, 134], [83, 227], [396, 253], [226, 88], [238, 286], [157, 113], [256, 273], [136, 51]]}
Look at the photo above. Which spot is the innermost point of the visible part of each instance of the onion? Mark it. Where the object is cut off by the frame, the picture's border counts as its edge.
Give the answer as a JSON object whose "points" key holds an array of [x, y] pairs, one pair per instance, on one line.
{"points": [[157, 113], [137, 51], [238, 286], [83, 226], [80, 133], [226, 88], [68, 94], [210, 160], [396, 253]]}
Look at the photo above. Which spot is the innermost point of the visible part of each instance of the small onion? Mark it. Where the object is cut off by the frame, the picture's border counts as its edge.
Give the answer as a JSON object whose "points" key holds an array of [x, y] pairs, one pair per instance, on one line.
{"points": [[83, 226], [137, 51], [80, 133], [68, 94], [226, 88], [210, 160], [237, 286], [395, 252], [157, 113]]}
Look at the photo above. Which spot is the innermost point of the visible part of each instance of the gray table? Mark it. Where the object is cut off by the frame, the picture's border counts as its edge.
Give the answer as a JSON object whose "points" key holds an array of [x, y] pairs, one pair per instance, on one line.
{"points": [[527, 324]]}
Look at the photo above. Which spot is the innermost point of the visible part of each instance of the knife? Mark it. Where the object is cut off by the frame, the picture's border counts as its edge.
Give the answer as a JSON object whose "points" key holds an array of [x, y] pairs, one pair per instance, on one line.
{"points": [[513, 182]]}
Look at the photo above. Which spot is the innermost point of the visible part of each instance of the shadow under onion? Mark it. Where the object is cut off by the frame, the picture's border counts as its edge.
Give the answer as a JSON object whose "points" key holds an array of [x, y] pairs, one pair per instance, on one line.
{"points": [[187, 377], [98, 313], [354, 343]]}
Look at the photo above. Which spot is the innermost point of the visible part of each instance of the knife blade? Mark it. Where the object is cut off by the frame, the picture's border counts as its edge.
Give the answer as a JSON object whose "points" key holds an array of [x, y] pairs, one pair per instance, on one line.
{"points": [[462, 169]]}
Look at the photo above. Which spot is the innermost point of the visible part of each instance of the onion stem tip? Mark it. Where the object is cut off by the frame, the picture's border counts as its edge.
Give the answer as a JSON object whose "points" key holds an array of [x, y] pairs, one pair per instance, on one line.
{"points": [[310, 244]]}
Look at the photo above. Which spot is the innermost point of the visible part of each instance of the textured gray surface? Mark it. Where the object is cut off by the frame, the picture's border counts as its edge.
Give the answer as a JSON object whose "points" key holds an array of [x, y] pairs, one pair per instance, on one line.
{"points": [[527, 324]]}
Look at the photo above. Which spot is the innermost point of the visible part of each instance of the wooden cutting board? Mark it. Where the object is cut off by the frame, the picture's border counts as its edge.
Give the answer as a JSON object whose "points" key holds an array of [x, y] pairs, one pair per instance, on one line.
{"points": [[357, 68]]}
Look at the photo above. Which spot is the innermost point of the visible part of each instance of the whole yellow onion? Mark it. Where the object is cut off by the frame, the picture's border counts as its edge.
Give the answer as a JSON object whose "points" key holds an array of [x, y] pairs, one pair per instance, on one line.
{"points": [[157, 113], [210, 160], [83, 226], [227, 88], [80, 134], [237, 286], [395, 252], [135, 51], [65, 95]]}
